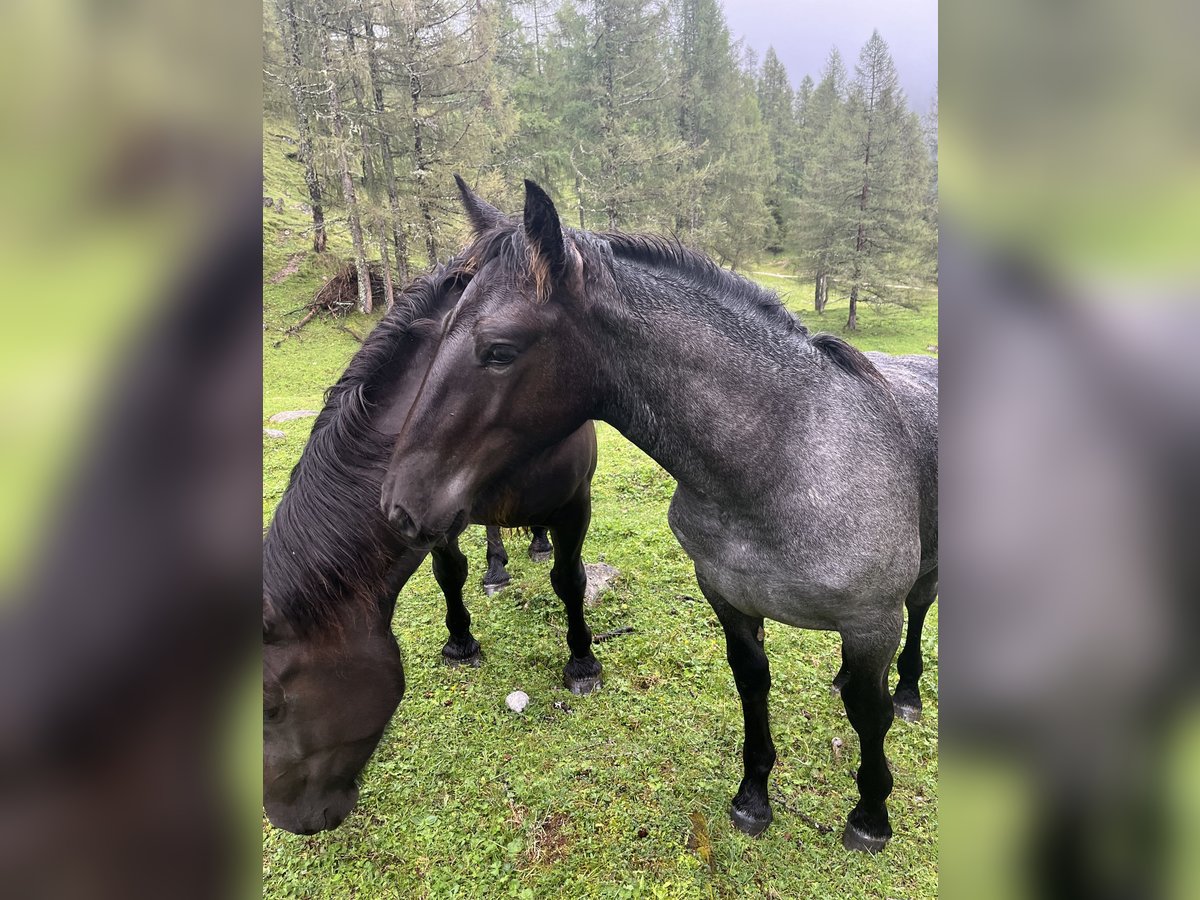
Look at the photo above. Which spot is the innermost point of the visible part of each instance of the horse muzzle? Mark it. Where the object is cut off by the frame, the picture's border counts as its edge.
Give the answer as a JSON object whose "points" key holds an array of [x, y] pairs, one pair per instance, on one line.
{"points": [[416, 534]]}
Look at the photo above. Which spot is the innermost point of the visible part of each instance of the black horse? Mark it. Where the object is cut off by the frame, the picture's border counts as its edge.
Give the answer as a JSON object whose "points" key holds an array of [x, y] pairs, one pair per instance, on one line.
{"points": [[333, 566], [807, 472]]}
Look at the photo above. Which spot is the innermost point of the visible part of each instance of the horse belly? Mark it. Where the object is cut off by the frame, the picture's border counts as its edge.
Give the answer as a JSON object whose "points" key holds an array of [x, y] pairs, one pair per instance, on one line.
{"points": [[757, 574]]}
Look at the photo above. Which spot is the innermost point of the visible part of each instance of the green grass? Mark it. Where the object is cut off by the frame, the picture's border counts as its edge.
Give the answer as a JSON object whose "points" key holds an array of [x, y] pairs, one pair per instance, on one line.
{"points": [[591, 796]]}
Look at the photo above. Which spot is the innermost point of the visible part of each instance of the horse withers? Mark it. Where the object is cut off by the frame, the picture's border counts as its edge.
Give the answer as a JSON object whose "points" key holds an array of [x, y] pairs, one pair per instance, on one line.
{"points": [[807, 472], [333, 674]]}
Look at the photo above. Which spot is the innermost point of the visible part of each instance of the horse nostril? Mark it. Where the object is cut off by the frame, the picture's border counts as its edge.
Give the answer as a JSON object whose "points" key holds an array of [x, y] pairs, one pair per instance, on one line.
{"points": [[402, 521]]}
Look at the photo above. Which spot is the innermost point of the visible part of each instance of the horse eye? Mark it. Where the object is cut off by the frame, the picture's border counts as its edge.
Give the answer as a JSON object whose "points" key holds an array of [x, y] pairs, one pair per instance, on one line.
{"points": [[273, 714], [500, 355]]}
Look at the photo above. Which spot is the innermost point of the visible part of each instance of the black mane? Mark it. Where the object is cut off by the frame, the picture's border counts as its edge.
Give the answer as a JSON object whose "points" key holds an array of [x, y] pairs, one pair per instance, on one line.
{"points": [[329, 548]]}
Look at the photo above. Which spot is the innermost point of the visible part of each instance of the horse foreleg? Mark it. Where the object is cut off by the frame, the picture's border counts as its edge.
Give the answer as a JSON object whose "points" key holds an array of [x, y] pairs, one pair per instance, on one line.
{"points": [[450, 570], [744, 637], [907, 699], [867, 657], [581, 675], [496, 578]]}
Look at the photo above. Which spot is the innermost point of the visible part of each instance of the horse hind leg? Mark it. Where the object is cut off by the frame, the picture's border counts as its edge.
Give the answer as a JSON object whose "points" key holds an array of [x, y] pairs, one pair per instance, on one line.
{"points": [[907, 699], [450, 571], [540, 548], [496, 578], [867, 659]]}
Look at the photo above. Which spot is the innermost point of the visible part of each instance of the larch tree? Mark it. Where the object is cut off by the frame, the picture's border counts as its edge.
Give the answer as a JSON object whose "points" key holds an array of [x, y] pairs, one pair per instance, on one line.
{"points": [[293, 74], [342, 153]]}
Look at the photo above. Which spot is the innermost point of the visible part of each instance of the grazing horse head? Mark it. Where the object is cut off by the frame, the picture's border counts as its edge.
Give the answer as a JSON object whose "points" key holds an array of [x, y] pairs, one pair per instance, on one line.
{"points": [[332, 670], [326, 703], [507, 380]]}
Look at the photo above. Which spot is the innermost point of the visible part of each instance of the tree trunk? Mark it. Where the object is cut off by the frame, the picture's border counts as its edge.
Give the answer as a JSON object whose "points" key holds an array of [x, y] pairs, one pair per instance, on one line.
{"points": [[821, 291], [368, 166], [852, 322], [289, 28], [399, 236], [339, 136], [414, 87], [389, 291]]}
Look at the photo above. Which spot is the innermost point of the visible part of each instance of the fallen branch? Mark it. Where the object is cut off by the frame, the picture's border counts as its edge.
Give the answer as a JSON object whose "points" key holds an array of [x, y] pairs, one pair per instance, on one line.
{"points": [[350, 331], [609, 635], [819, 827], [338, 297]]}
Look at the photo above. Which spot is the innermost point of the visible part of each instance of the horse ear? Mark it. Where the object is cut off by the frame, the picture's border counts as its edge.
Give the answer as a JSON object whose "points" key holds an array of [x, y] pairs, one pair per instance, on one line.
{"points": [[544, 233], [481, 214]]}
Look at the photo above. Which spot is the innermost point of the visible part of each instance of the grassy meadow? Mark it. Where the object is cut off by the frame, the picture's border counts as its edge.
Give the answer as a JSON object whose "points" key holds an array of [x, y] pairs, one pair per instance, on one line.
{"points": [[623, 793]]}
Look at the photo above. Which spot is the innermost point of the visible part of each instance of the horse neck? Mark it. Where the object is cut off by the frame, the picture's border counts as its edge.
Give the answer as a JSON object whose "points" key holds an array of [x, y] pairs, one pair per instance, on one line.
{"points": [[699, 385]]}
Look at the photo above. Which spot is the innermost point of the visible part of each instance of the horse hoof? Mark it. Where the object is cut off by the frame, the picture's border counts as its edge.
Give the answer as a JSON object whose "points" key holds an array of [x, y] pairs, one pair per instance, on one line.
{"points": [[453, 660], [581, 686], [540, 556], [495, 587], [907, 712], [854, 838], [748, 824]]}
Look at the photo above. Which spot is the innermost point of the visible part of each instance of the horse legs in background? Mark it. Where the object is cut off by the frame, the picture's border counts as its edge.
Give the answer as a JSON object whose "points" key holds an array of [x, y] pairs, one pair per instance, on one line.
{"points": [[907, 698], [540, 549], [496, 578], [867, 657], [910, 665], [581, 675], [450, 570], [751, 810]]}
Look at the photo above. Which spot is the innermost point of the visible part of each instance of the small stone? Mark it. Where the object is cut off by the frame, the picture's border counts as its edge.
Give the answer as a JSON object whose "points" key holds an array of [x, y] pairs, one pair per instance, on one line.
{"points": [[273, 433], [517, 701], [599, 579], [292, 414]]}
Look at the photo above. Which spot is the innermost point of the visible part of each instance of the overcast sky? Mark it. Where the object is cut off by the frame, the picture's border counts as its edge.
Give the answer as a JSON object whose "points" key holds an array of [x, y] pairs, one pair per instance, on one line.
{"points": [[802, 31]]}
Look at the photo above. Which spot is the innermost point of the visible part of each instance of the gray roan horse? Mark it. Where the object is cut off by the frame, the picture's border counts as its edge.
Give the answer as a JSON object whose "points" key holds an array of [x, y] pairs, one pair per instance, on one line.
{"points": [[807, 472], [332, 567]]}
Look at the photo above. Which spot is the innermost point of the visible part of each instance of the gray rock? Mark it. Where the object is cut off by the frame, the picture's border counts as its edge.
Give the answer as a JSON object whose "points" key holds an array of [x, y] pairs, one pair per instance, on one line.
{"points": [[292, 414], [517, 701], [273, 433], [600, 577]]}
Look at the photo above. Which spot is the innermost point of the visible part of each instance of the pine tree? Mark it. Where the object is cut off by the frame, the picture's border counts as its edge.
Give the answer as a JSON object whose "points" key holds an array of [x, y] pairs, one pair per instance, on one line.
{"points": [[892, 180], [776, 101], [826, 180], [721, 179], [622, 145]]}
